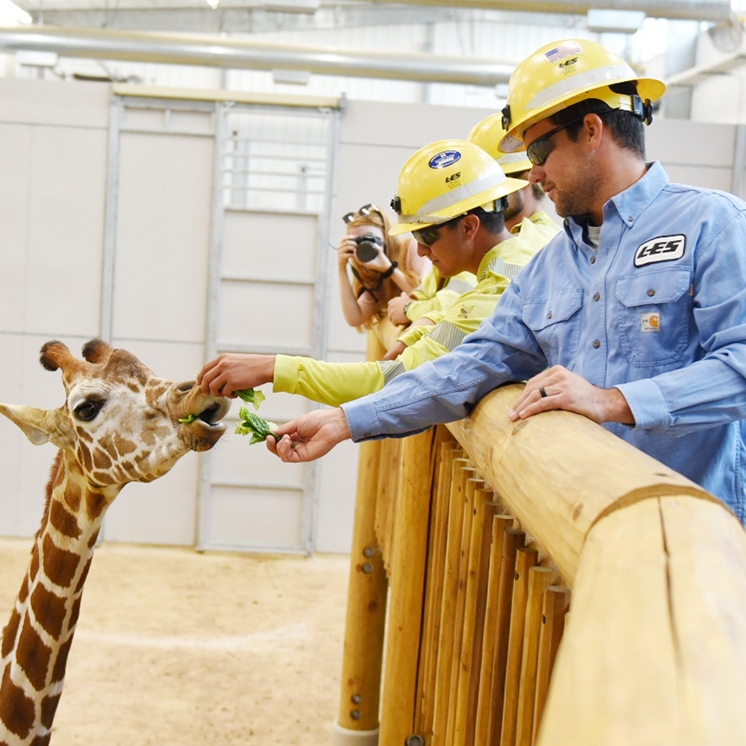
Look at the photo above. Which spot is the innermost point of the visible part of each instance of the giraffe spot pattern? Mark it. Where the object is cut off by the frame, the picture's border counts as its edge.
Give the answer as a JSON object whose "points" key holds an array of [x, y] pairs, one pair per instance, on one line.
{"points": [[58, 674], [48, 709], [9, 633], [34, 567], [23, 593], [16, 709], [123, 446], [83, 434], [60, 565], [83, 576], [73, 495], [101, 459], [33, 656], [63, 521], [95, 504], [84, 456], [49, 610]]}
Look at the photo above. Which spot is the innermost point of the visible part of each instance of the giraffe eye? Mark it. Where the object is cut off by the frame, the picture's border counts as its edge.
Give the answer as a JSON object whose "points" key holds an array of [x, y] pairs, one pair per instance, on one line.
{"points": [[87, 410]]}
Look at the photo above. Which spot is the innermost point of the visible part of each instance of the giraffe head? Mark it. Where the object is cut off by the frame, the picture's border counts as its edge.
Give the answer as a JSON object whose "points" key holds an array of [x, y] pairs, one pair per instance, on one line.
{"points": [[120, 423]]}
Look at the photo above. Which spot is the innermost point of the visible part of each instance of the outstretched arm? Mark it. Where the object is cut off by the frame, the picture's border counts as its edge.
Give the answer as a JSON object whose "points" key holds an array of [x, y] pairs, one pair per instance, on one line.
{"points": [[310, 436], [231, 372]]}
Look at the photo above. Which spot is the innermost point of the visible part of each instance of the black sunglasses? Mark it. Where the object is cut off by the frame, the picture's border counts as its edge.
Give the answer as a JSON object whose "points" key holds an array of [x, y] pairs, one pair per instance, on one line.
{"points": [[538, 151], [428, 236], [361, 213]]}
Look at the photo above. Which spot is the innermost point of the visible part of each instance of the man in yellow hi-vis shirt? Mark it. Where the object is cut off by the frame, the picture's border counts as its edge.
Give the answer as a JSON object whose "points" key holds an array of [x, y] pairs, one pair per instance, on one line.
{"points": [[451, 196]]}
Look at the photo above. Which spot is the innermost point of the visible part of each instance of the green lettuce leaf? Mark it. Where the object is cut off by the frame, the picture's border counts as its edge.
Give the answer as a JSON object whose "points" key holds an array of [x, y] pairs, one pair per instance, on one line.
{"points": [[254, 425], [251, 396]]}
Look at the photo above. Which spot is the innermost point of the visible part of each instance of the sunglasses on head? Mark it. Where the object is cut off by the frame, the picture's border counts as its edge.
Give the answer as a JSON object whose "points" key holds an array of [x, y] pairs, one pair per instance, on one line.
{"points": [[361, 213]]}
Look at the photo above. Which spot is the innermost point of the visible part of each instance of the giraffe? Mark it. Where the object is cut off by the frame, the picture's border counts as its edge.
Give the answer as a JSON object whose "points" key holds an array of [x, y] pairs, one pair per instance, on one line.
{"points": [[119, 424]]}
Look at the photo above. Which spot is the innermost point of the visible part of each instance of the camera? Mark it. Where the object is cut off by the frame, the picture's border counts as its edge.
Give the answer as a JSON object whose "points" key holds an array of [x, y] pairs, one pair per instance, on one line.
{"points": [[368, 246]]}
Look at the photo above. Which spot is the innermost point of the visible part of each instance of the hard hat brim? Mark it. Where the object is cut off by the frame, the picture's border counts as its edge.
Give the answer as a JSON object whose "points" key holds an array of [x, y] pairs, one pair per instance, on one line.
{"points": [[505, 187], [647, 88]]}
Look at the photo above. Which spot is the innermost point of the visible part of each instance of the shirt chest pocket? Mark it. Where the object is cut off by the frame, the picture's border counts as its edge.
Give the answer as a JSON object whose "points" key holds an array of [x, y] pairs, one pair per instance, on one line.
{"points": [[655, 316], [555, 323]]}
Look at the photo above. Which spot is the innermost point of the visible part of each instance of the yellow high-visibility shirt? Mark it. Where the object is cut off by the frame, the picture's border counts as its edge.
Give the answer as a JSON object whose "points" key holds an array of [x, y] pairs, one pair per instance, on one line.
{"points": [[336, 383]]}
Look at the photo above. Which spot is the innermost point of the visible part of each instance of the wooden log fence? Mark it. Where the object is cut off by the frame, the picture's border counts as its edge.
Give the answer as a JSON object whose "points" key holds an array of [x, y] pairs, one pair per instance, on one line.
{"points": [[478, 534]]}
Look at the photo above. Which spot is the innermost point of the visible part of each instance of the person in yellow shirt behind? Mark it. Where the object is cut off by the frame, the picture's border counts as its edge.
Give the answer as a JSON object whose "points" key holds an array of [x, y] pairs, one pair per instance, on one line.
{"points": [[435, 295], [451, 194], [526, 203]]}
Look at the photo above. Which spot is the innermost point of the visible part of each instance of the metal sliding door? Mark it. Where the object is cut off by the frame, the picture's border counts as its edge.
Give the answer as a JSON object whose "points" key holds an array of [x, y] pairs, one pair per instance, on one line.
{"points": [[268, 294]]}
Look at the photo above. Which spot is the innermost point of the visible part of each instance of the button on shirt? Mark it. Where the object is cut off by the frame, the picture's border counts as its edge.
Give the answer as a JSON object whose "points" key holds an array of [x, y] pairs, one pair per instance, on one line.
{"points": [[658, 311]]}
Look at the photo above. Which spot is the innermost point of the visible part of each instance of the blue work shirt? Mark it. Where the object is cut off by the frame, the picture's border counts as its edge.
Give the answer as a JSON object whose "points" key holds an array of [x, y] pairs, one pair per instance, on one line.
{"points": [[657, 311]]}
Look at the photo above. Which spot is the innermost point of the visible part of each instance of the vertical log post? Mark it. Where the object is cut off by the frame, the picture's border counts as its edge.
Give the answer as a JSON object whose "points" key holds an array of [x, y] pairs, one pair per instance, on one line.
{"points": [[448, 451], [402, 655], [460, 612], [465, 708], [555, 606], [539, 579], [366, 615], [526, 558], [365, 623], [450, 599], [495, 650]]}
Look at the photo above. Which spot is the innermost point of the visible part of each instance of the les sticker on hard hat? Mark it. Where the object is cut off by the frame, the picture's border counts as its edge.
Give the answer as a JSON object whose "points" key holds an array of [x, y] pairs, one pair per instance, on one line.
{"points": [[444, 159], [566, 49], [650, 322]]}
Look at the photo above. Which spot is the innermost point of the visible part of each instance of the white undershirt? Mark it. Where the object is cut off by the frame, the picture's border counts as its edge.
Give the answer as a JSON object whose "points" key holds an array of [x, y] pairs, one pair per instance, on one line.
{"points": [[594, 235]]}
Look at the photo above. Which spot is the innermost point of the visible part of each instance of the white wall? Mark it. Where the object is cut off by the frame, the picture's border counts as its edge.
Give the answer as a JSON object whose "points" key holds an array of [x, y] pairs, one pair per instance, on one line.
{"points": [[53, 149]]}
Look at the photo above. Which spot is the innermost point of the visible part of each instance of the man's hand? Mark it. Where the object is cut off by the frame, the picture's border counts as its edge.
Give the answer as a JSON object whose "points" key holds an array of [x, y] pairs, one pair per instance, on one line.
{"points": [[231, 372], [396, 309], [558, 388], [310, 436]]}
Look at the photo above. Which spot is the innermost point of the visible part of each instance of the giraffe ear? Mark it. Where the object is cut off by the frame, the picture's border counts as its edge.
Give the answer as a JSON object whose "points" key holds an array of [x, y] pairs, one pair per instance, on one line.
{"points": [[39, 425]]}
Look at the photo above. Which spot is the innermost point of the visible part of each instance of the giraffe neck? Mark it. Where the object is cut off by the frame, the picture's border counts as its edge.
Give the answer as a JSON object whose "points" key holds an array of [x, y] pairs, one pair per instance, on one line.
{"points": [[37, 639]]}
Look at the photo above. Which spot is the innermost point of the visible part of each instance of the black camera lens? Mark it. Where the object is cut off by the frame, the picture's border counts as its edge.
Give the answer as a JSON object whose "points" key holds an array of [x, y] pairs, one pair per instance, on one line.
{"points": [[368, 247]]}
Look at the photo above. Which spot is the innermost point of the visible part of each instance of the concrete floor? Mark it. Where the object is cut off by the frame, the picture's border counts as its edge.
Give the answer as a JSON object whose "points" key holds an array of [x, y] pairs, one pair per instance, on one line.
{"points": [[177, 648]]}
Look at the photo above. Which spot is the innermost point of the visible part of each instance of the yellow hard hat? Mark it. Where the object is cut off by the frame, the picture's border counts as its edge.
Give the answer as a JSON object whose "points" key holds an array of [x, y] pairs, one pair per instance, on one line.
{"points": [[446, 179], [487, 134], [564, 72]]}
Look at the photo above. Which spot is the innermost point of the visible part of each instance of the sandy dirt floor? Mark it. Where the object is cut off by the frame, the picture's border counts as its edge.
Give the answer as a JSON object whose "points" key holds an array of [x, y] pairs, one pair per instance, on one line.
{"points": [[177, 648]]}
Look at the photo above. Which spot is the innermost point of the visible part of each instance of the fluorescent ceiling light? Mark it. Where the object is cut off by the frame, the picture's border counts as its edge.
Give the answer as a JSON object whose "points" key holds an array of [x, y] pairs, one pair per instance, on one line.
{"points": [[292, 77], [291, 6], [213, 3], [12, 15]]}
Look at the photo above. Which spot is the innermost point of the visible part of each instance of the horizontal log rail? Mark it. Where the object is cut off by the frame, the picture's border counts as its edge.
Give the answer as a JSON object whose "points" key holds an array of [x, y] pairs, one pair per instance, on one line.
{"points": [[474, 535]]}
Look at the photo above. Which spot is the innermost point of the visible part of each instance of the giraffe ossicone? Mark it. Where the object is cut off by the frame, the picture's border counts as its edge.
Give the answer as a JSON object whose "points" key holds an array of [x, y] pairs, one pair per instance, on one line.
{"points": [[120, 423]]}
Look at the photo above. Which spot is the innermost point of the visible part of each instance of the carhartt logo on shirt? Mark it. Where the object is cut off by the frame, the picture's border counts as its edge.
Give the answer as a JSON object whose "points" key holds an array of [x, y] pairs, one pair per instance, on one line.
{"points": [[650, 322], [661, 249]]}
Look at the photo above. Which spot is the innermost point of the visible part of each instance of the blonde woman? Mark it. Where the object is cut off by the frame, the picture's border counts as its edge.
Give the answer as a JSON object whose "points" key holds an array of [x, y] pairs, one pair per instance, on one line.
{"points": [[375, 267]]}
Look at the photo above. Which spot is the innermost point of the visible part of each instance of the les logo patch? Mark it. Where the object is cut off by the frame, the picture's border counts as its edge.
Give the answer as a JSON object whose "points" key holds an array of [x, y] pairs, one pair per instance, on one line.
{"points": [[661, 249]]}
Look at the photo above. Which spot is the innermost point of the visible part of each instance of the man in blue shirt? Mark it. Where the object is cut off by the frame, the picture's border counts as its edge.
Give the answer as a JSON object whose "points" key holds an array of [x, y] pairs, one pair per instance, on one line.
{"points": [[634, 315]]}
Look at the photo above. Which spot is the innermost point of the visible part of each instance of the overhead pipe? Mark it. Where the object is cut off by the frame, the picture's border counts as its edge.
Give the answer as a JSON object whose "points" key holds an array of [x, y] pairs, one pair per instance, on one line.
{"points": [[680, 10], [183, 49]]}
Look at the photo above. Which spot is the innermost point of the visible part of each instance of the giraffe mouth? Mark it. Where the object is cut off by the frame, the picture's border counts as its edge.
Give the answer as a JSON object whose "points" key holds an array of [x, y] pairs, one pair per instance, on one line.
{"points": [[212, 415]]}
